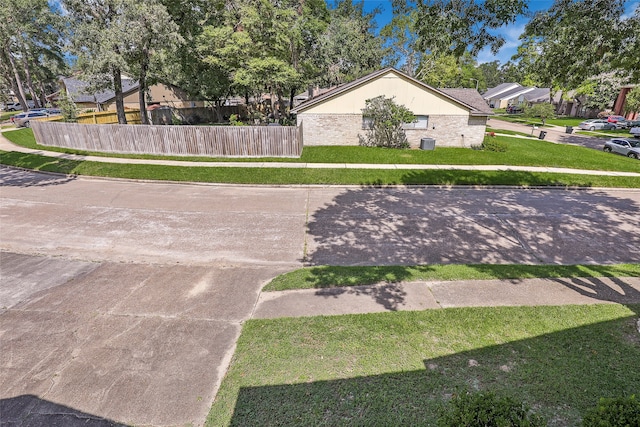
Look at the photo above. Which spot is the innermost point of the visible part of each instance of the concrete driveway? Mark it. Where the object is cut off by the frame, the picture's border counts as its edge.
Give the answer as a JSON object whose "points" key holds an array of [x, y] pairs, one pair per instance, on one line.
{"points": [[122, 301]]}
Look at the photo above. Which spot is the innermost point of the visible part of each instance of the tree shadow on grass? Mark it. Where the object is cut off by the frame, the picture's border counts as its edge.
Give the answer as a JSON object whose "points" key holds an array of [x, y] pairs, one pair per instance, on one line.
{"points": [[31, 411], [560, 374]]}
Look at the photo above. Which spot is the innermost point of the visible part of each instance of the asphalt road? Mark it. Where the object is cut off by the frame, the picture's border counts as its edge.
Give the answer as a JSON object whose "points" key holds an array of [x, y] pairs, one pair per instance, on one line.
{"points": [[554, 134], [122, 301]]}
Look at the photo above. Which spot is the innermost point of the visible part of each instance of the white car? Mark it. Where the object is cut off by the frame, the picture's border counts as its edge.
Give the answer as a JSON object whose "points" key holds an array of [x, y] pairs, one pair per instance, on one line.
{"points": [[596, 124], [635, 131], [15, 106], [626, 147]]}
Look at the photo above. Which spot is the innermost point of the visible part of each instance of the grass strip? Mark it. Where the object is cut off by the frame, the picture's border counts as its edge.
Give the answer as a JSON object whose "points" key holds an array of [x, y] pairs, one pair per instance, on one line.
{"points": [[400, 368], [293, 176], [520, 152], [333, 276]]}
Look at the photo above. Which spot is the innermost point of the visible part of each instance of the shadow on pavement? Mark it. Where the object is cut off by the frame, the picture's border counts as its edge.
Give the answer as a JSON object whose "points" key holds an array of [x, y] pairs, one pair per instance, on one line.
{"points": [[31, 411], [11, 177], [422, 226]]}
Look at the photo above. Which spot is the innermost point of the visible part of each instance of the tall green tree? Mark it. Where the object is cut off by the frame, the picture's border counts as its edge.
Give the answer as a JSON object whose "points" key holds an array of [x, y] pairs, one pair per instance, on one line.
{"points": [[31, 51], [98, 32], [401, 37], [112, 37], [263, 45], [576, 40], [152, 38], [190, 69], [633, 100], [453, 27], [349, 48], [449, 71]]}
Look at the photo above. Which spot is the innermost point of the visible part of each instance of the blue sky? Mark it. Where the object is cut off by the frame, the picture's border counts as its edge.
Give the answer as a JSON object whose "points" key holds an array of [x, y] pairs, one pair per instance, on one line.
{"points": [[510, 32]]}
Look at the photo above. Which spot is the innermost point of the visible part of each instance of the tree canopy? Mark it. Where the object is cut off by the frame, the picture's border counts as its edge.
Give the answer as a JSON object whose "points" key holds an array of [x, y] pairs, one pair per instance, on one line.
{"points": [[267, 50]]}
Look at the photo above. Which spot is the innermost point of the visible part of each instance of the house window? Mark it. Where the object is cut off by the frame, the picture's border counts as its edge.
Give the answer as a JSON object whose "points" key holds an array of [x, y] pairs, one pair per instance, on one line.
{"points": [[367, 122], [421, 122]]}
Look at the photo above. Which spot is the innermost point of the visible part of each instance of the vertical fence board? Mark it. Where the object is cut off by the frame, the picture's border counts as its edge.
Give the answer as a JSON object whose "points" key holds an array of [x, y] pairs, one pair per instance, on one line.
{"points": [[213, 141]]}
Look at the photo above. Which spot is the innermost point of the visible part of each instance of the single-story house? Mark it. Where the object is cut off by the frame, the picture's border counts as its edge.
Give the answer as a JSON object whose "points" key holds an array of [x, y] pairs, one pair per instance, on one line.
{"points": [[453, 117], [513, 94], [162, 94]]}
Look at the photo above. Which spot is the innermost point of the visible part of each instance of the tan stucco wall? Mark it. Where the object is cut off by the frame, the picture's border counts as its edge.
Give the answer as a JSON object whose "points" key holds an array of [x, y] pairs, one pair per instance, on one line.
{"points": [[343, 129], [406, 92]]}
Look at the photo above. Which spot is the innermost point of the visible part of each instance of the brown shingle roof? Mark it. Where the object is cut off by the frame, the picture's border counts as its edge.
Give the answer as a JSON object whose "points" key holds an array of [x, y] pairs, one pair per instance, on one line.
{"points": [[470, 97]]}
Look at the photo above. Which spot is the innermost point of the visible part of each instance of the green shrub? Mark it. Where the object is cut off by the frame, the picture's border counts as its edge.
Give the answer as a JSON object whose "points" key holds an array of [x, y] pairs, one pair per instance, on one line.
{"points": [[485, 409], [491, 144], [384, 121], [617, 412]]}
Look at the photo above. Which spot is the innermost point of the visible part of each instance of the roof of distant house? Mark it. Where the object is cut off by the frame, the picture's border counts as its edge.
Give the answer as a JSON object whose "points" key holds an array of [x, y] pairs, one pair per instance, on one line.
{"points": [[501, 88], [77, 90], [538, 95]]}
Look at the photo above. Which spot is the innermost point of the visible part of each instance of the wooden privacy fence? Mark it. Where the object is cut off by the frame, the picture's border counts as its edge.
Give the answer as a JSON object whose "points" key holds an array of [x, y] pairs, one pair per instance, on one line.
{"points": [[214, 141], [102, 117]]}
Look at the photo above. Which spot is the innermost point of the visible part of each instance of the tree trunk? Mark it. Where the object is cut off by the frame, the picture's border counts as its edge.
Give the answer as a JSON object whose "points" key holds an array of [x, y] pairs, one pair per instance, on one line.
{"points": [[143, 88], [27, 73], [18, 83], [117, 88]]}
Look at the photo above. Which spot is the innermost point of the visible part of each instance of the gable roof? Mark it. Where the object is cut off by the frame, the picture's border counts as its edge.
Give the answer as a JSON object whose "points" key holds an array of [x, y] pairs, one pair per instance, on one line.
{"points": [[473, 110], [77, 90], [469, 96], [501, 88], [538, 95]]}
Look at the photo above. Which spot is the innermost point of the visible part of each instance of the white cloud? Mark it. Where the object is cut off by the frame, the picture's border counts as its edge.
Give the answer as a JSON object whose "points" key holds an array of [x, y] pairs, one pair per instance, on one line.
{"points": [[511, 34]]}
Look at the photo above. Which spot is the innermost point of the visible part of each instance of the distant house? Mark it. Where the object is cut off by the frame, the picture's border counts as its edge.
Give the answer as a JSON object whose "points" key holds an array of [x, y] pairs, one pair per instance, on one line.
{"points": [[514, 94], [619, 107], [453, 117], [105, 100]]}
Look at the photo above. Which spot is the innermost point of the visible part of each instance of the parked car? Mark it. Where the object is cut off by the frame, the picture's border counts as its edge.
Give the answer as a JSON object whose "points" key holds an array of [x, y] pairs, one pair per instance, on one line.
{"points": [[514, 109], [53, 112], [15, 106], [635, 131], [23, 119], [623, 124], [596, 124], [615, 119], [626, 147]]}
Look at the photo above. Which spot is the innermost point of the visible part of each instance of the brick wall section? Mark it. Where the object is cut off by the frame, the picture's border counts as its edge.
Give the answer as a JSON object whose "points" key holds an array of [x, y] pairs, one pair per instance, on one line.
{"points": [[450, 131]]}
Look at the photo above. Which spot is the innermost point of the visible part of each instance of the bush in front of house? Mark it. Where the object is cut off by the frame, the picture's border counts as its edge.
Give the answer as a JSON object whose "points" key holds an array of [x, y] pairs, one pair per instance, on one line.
{"points": [[384, 120], [614, 412], [485, 409], [491, 144]]}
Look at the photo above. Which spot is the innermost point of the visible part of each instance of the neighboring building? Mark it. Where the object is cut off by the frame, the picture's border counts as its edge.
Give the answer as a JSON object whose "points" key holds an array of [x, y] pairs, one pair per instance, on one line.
{"points": [[453, 117], [105, 100], [513, 94], [619, 108]]}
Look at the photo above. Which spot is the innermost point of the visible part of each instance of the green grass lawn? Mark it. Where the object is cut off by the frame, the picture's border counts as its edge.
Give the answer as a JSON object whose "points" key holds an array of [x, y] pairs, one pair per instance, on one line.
{"points": [[565, 121], [5, 115], [509, 132], [400, 368], [520, 151], [331, 276], [287, 176]]}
